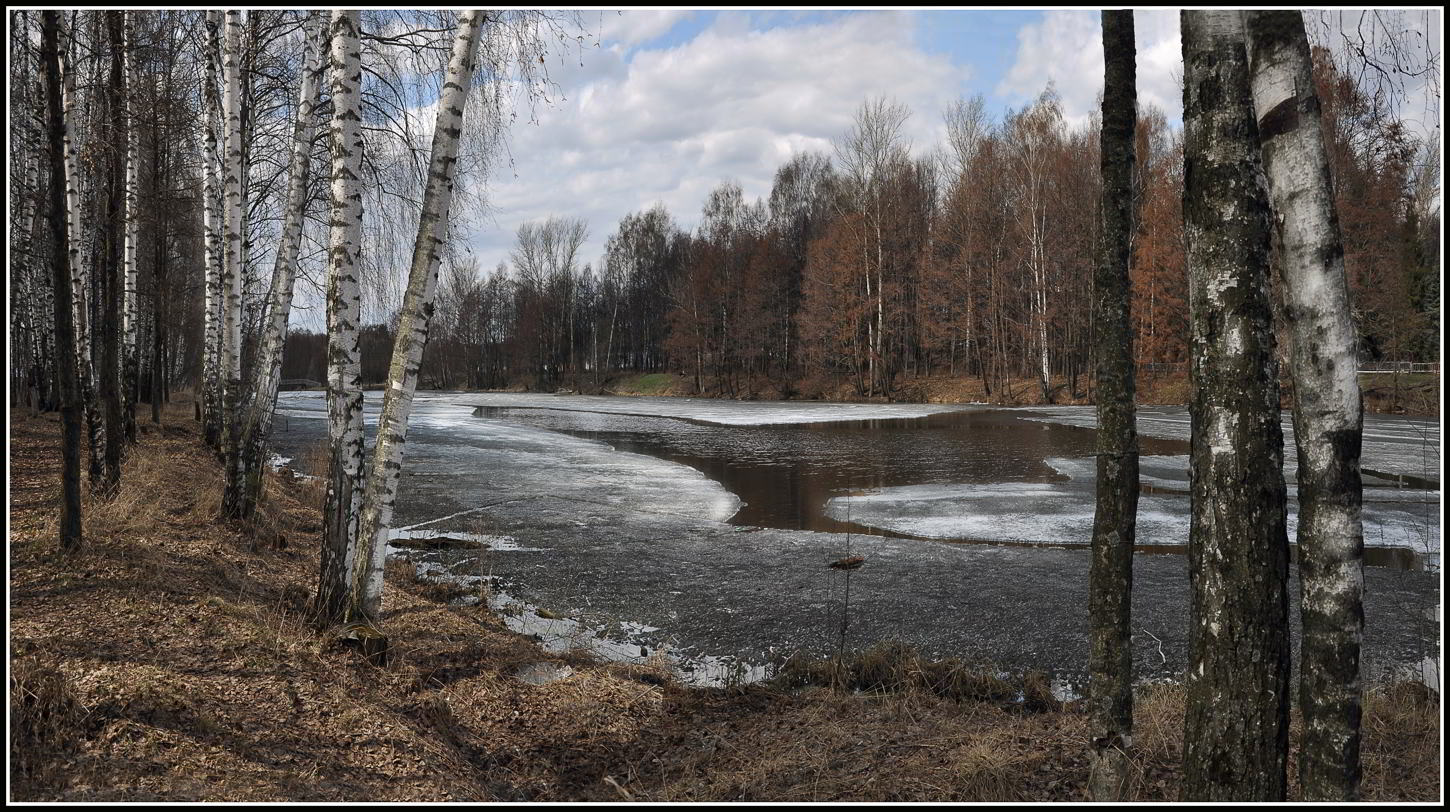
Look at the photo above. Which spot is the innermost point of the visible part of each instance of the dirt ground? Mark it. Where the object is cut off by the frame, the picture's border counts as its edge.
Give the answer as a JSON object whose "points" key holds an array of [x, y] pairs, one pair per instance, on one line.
{"points": [[173, 659]]}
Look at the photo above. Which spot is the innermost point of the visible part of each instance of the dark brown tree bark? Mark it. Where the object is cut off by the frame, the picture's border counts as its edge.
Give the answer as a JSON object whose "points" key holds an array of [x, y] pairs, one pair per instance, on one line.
{"points": [[1328, 410], [65, 350], [1237, 721], [1110, 582], [112, 272]]}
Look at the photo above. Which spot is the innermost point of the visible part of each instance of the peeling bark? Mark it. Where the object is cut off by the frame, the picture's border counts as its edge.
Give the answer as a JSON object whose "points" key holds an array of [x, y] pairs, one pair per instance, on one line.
{"points": [[1237, 721], [1328, 410]]}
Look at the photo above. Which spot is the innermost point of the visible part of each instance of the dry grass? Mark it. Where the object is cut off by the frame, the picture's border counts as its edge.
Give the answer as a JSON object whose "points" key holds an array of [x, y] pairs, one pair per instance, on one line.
{"points": [[173, 660]]}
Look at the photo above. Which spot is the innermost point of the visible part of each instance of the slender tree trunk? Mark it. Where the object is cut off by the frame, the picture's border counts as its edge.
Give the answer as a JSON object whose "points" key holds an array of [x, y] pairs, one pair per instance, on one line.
{"points": [[1237, 722], [130, 363], [1115, 521], [244, 492], [215, 255], [80, 276], [1328, 410], [61, 290], [234, 208], [365, 600], [113, 274], [344, 368]]}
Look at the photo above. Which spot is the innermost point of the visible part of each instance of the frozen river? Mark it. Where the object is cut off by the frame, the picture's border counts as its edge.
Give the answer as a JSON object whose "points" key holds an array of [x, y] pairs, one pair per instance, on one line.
{"points": [[705, 527]]}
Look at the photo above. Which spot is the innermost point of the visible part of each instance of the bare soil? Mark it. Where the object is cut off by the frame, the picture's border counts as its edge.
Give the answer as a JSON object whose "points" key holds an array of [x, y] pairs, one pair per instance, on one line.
{"points": [[173, 659]]}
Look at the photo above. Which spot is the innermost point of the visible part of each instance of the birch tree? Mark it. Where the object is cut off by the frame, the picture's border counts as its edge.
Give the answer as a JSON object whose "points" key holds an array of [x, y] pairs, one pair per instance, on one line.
{"points": [[344, 304], [1328, 410], [365, 598], [1115, 520], [211, 388], [130, 362], [243, 489], [1237, 720], [62, 266], [79, 275], [232, 236], [109, 330]]}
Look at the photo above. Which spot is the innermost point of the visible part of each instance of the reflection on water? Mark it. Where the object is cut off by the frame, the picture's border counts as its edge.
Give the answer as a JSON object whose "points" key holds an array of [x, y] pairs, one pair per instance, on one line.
{"points": [[786, 474]]}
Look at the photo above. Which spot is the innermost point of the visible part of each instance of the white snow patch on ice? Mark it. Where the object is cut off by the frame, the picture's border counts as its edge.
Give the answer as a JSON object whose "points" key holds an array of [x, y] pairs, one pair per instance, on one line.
{"points": [[497, 543], [1062, 512], [710, 410]]}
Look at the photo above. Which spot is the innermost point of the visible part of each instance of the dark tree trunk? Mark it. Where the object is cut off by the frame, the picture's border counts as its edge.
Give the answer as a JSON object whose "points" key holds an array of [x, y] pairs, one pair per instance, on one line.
{"points": [[1115, 521], [65, 350], [1237, 721], [112, 272], [1328, 410]]}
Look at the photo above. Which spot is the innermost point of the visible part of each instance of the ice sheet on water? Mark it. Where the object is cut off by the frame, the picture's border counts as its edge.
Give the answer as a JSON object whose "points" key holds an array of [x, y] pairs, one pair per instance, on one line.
{"points": [[1062, 512], [710, 410], [446, 440], [1392, 444]]}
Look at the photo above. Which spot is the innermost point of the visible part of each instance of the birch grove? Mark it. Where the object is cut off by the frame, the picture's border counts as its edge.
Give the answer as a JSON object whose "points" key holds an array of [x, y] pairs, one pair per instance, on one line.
{"points": [[164, 162]]}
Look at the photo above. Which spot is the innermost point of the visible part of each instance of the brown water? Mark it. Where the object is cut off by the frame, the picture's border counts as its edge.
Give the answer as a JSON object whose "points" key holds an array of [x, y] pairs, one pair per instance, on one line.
{"points": [[786, 474]]}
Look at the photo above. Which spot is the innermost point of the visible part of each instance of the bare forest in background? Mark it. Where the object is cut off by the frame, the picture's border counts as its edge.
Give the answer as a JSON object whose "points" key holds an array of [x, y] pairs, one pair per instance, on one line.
{"points": [[871, 267]]}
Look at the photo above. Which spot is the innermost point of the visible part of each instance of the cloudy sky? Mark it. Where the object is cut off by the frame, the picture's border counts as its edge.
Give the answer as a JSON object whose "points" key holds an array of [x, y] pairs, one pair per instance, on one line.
{"points": [[668, 104], [663, 105]]}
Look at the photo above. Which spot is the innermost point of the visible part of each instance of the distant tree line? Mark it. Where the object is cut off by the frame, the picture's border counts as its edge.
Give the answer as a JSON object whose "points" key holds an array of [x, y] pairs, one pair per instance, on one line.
{"points": [[869, 265]]}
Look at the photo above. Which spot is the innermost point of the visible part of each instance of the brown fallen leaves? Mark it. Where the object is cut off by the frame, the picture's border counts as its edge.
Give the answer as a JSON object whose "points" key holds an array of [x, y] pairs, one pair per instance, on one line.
{"points": [[171, 661]]}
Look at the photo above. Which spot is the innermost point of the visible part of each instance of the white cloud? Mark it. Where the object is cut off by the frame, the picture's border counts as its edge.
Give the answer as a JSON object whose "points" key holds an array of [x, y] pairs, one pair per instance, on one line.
{"points": [[668, 124], [1066, 48], [634, 27]]}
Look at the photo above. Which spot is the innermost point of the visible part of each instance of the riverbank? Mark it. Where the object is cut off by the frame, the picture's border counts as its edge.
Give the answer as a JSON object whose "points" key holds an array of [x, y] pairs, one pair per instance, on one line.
{"points": [[1415, 394], [173, 660]]}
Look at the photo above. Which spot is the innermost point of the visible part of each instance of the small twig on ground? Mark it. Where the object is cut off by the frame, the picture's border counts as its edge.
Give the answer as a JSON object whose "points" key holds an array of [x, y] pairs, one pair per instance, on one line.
{"points": [[1160, 645]]}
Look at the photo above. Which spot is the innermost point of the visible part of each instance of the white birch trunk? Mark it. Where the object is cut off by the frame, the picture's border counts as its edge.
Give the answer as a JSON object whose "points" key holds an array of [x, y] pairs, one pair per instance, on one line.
{"points": [[128, 316], [80, 270], [382, 483], [232, 234], [257, 425], [1328, 411], [213, 244], [344, 305]]}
